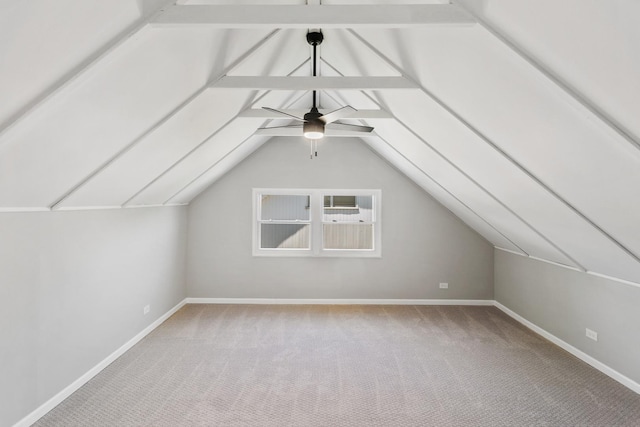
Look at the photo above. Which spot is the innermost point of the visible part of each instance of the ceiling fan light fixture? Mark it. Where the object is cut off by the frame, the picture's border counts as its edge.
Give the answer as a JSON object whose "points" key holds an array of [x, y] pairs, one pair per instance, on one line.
{"points": [[313, 129]]}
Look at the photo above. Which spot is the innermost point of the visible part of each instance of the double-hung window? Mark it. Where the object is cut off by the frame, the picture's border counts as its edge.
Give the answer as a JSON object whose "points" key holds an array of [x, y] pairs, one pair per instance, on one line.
{"points": [[314, 222]]}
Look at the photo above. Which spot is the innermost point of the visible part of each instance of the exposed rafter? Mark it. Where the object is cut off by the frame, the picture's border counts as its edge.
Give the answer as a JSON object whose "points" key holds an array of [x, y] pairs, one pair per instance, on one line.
{"points": [[312, 16], [314, 83]]}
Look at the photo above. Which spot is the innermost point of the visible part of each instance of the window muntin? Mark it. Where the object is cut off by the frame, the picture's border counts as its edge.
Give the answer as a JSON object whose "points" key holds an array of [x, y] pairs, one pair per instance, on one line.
{"points": [[311, 222]]}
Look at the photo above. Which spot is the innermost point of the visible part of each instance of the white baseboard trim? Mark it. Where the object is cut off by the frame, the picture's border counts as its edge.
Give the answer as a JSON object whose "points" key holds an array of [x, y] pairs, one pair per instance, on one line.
{"points": [[338, 301], [71, 388], [67, 391], [622, 379]]}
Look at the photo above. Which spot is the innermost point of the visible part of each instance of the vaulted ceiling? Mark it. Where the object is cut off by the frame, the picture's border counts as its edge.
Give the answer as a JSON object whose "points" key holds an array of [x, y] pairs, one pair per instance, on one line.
{"points": [[521, 117]]}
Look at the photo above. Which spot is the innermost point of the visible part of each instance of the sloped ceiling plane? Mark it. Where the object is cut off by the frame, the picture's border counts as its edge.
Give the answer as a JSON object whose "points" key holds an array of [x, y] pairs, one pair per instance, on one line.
{"points": [[519, 117]]}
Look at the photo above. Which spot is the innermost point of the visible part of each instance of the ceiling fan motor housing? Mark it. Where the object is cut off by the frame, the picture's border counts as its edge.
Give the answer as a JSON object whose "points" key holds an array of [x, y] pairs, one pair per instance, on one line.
{"points": [[313, 126]]}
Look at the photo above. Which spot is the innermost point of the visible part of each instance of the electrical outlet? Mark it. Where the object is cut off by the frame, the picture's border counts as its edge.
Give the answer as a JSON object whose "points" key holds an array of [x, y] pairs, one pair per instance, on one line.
{"points": [[444, 286], [146, 309], [592, 334]]}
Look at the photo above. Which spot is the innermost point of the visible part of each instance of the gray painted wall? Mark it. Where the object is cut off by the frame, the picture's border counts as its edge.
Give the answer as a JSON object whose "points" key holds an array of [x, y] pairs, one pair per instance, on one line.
{"points": [[73, 285], [422, 242], [565, 302]]}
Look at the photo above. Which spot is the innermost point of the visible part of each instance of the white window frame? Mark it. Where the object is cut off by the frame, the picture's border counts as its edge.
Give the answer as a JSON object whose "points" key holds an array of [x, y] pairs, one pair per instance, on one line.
{"points": [[316, 197]]}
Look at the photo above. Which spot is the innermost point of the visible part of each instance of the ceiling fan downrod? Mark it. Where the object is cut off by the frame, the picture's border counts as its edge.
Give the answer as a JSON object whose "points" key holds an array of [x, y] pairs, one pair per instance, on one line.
{"points": [[313, 127], [314, 38]]}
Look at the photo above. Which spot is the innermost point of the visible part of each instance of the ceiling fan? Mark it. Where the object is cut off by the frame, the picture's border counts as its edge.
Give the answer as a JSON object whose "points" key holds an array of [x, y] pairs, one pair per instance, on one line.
{"points": [[314, 122]]}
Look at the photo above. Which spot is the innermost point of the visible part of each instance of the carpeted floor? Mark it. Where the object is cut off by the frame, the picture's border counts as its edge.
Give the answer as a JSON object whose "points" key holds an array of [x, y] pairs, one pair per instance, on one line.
{"points": [[305, 365]]}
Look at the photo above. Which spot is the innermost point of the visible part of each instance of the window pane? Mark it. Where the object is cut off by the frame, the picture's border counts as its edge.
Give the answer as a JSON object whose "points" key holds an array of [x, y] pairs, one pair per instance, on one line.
{"points": [[344, 201], [284, 236], [340, 201], [347, 236], [284, 207], [360, 209]]}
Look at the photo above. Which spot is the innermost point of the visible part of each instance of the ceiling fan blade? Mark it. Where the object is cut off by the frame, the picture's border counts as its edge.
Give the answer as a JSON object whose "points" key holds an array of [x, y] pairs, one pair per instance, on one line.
{"points": [[291, 130], [338, 114], [284, 114], [353, 128], [283, 127]]}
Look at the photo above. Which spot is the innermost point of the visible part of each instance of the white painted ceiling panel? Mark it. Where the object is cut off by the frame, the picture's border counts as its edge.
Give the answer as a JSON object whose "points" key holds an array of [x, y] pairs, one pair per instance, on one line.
{"points": [[218, 170], [548, 214], [592, 46], [346, 53], [176, 178], [422, 179], [285, 51], [54, 37], [154, 154], [103, 111], [548, 134], [490, 209]]}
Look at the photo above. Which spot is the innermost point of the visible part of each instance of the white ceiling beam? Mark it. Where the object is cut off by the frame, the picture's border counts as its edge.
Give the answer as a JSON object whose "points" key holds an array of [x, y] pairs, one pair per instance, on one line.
{"points": [[314, 83], [313, 16], [79, 70], [260, 113]]}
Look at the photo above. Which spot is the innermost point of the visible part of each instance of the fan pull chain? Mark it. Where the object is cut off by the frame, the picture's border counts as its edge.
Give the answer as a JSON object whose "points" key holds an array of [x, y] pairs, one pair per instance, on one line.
{"points": [[313, 147]]}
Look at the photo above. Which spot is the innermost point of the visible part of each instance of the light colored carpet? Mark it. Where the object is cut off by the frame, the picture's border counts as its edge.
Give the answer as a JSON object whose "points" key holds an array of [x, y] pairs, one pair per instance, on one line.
{"points": [[262, 365]]}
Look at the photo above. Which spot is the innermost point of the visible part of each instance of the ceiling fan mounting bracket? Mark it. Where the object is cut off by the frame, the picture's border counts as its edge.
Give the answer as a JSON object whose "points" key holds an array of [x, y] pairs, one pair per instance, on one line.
{"points": [[314, 38]]}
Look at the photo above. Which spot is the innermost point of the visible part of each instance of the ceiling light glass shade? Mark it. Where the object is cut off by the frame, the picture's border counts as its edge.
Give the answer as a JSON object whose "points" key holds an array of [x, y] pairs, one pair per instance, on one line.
{"points": [[313, 129]]}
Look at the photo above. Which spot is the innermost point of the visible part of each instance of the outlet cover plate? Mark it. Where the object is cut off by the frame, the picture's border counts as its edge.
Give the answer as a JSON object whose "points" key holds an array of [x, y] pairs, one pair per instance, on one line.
{"points": [[592, 334], [444, 286]]}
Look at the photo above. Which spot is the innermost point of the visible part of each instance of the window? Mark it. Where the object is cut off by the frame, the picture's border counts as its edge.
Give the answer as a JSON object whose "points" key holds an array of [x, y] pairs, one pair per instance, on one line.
{"points": [[301, 222]]}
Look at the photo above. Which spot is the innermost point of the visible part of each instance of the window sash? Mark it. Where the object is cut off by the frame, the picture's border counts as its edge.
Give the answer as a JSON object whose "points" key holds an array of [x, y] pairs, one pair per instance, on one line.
{"points": [[317, 223]]}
